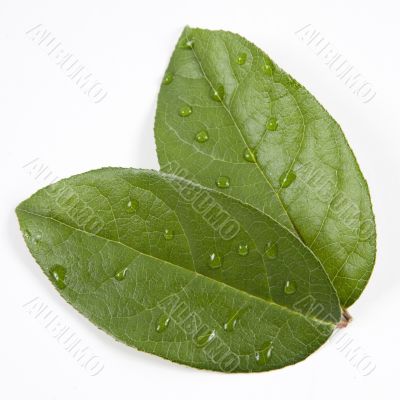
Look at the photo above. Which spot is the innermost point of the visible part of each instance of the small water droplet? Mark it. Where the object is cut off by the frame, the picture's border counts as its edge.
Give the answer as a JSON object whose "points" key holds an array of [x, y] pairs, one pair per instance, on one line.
{"points": [[267, 68], [132, 205], [272, 124], [223, 182], [271, 250], [290, 287], [243, 249], [241, 58], [215, 261], [188, 44], [168, 234], [230, 325], [287, 179], [262, 356], [27, 234], [249, 155], [168, 78], [57, 275], [121, 275], [162, 323], [36, 238], [185, 111], [202, 136], [205, 337], [218, 93]]}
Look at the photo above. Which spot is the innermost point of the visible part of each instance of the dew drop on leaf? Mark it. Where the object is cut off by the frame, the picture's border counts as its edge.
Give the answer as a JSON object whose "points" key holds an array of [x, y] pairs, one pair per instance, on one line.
{"points": [[223, 182], [241, 58], [249, 155], [132, 205], [287, 179], [272, 124], [271, 250], [168, 78], [290, 287], [185, 111], [267, 68], [57, 276], [168, 234], [120, 275], [243, 249], [215, 261], [202, 136], [162, 323], [262, 356], [204, 338], [230, 325], [218, 93]]}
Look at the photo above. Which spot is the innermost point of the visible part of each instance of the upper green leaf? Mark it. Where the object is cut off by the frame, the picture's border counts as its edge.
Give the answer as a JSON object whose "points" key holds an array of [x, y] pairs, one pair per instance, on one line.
{"points": [[180, 271], [233, 120]]}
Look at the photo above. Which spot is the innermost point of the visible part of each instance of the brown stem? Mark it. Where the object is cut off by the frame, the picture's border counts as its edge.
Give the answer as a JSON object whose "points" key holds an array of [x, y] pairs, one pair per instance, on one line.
{"points": [[346, 319]]}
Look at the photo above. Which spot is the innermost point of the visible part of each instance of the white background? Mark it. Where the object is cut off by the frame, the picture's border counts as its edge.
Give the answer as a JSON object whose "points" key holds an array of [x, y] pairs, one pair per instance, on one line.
{"points": [[127, 45]]}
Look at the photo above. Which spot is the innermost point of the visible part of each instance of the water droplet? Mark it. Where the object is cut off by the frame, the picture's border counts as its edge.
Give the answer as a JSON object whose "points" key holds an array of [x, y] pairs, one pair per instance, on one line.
{"points": [[205, 337], [57, 275], [241, 58], [218, 93], [36, 238], [215, 261], [243, 249], [290, 287], [229, 326], [223, 182], [132, 205], [121, 275], [267, 68], [168, 234], [188, 44], [272, 124], [162, 323], [27, 234], [249, 155], [271, 250], [185, 111], [262, 356], [287, 179], [202, 136], [168, 78]]}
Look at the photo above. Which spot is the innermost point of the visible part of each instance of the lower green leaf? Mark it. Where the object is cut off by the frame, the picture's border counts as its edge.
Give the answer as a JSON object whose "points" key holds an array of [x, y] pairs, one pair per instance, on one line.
{"points": [[180, 271]]}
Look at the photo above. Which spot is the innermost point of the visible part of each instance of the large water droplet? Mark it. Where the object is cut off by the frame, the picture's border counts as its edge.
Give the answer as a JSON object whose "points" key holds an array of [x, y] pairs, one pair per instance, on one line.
{"points": [[185, 111], [205, 337], [121, 275], [168, 234], [262, 356], [249, 155], [271, 250], [202, 136], [272, 124], [162, 323], [215, 261], [223, 182], [230, 325], [243, 249], [132, 205], [168, 78], [57, 275], [287, 179], [290, 287], [218, 93], [241, 58]]}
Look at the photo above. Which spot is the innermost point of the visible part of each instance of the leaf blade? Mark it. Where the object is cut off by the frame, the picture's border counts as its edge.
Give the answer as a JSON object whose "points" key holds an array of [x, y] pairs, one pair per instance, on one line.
{"points": [[130, 308], [305, 174]]}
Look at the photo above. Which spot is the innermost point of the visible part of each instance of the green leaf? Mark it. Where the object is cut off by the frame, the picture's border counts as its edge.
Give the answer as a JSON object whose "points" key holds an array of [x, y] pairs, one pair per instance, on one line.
{"points": [[280, 151], [180, 271]]}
